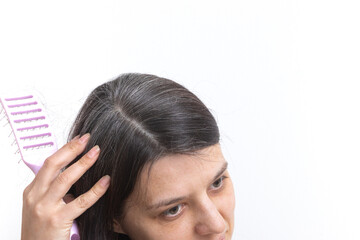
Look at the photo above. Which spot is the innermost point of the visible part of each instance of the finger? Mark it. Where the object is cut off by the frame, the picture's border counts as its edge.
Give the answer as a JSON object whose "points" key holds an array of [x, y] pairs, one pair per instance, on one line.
{"points": [[61, 185], [79, 205], [53, 164]]}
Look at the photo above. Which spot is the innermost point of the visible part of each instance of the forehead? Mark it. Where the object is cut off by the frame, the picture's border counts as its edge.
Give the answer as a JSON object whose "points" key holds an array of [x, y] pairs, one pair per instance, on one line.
{"points": [[179, 175]]}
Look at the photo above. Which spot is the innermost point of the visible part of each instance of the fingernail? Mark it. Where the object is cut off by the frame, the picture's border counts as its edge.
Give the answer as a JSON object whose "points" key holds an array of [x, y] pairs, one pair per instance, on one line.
{"points": [[105, 181], [93, 151], [84, 138]]}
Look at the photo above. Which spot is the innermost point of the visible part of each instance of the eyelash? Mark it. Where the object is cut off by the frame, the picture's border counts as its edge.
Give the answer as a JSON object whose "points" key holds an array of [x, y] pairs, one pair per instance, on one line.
{"points": [[167, 215], [221, 179]]}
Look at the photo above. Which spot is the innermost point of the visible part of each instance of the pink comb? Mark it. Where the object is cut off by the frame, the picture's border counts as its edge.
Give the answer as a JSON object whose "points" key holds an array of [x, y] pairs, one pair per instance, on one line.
{"points": [[33, 134]]}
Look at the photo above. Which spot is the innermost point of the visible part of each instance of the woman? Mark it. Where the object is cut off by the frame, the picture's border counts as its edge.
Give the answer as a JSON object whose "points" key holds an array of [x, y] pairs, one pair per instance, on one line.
{"points": [[155, 148]]}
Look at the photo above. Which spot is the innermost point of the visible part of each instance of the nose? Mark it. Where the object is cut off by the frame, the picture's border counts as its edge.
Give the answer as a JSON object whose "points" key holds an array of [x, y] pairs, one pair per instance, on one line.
{"points": [[210, 220]]}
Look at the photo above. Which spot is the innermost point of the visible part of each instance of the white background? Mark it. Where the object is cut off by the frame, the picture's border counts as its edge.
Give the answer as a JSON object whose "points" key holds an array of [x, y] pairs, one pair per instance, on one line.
{"points": [[281, 77]]}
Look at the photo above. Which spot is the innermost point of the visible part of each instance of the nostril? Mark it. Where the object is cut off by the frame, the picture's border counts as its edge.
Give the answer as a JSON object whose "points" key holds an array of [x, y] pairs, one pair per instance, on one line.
{"points": [[211, 222]]}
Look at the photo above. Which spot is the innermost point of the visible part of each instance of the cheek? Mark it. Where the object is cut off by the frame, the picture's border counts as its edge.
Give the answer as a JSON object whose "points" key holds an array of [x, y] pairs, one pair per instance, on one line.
{"points": [[159, 232], [146, 228], [231, 197], [231, 209], [226, 204]]}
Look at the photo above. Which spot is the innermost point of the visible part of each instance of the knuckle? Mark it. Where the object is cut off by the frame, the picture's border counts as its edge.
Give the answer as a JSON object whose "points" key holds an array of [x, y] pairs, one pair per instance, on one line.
{"points": [[83, 162], [73, 146], [27, 200], [95, 192], [38, 211], [26, 192], [51, 162], [63, 178], [47, 162], [83, 202]]}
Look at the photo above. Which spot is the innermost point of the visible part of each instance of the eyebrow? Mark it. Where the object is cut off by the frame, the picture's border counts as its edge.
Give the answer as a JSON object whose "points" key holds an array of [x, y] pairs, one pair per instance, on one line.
{"points": [[168, 202]]}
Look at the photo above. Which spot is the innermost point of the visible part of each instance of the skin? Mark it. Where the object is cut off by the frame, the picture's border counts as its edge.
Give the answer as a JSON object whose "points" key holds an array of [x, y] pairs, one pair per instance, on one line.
{"points": [[205, 205], [46, 213]]}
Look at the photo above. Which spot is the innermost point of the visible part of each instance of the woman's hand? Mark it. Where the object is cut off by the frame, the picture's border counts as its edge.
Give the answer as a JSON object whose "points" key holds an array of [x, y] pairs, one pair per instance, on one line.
{"points": [[45, 214]]}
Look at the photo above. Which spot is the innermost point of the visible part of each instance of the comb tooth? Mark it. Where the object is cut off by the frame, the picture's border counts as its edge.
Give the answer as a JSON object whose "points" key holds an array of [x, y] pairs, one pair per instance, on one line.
{"points": [[11, 133], [18, 98], [22, 104], [2, 117], [36, 136], [33, 127], [7, 122], [26, 112], [38, 145], [29, 119]]}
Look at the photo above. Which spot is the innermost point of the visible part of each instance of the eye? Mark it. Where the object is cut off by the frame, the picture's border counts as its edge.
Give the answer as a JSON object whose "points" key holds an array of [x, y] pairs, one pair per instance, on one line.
{"points": [[218, 183], [174, 211]]}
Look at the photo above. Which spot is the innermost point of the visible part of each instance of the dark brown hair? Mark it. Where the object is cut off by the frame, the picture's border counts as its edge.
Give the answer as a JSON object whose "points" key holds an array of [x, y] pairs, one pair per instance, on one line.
{"points": [[135, 119]]}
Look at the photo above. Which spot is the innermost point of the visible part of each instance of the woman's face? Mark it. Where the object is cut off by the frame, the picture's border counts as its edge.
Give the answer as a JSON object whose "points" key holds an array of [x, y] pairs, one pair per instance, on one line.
{"points": [[183, 197]]}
